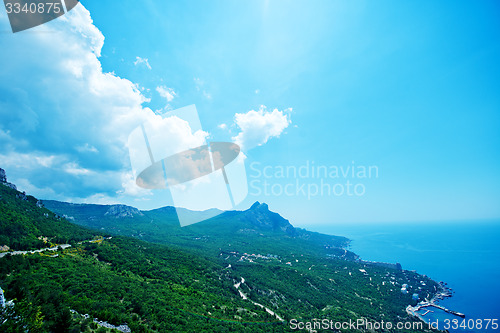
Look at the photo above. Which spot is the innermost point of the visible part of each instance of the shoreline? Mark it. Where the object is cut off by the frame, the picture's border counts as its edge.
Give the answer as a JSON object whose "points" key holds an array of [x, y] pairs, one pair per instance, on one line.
{"points": [[442, 293]]}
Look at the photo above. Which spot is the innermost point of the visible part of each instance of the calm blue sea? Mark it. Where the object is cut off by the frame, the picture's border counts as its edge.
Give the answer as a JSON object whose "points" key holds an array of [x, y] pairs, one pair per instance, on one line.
{"points": [[466, 255]]}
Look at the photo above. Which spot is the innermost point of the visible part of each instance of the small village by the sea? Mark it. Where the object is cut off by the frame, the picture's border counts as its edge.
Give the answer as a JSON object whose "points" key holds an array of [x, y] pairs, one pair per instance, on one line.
{"points": [[431, 312]]}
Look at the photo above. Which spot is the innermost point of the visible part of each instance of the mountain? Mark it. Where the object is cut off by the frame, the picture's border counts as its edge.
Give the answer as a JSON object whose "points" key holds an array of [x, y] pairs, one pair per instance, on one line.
{"points": [[262, 218], [120, 211], [243, 271], [256, 229], [119, 281]]}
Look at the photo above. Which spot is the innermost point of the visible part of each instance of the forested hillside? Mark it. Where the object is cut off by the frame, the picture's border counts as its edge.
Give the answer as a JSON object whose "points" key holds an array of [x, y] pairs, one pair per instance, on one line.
{"points": [[254, 230], [267, 274], [25, 224]]}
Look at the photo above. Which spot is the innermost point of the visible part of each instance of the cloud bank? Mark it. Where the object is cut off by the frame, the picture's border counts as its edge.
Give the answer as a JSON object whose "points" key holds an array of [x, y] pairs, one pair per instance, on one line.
{"points": [[65, 128], [64, 122]]}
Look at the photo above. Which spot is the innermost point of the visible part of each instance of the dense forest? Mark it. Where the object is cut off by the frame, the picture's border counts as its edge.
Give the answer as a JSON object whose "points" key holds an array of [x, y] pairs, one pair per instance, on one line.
{"points": [[25, 224], [205, 280]]}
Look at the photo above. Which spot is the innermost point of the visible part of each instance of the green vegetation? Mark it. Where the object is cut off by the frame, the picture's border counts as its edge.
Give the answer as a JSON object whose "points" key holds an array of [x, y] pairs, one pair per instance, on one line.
{"points": [[256, 230], [192, 279], [150, 287], [26, 225]]}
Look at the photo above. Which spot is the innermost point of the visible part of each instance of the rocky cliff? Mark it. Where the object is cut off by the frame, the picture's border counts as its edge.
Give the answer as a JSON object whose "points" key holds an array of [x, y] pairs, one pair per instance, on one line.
{"points": [[3, 180], [120, 211], [260, 216]]}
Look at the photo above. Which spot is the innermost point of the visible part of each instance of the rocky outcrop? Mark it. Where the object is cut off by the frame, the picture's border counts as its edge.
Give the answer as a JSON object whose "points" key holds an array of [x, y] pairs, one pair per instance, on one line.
{"points": [[3, 176], [261, 217], [22, 196], [121, 211], [3, 180]]}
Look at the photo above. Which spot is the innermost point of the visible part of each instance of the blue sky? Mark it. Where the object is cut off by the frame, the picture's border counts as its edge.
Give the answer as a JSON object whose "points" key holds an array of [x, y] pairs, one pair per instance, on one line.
{"points": [[411, 88]]}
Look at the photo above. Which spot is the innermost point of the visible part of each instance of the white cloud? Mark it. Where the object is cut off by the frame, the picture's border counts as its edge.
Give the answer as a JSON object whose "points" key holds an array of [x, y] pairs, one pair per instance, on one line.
{"points": [[177, 132], [257, 127], [129, 186], [138, 61], [58, 174], [222, 126], [99, 199], [66, 128], [86, 148], [166, 92], [45, 161], [82, 24], [74, 169]]}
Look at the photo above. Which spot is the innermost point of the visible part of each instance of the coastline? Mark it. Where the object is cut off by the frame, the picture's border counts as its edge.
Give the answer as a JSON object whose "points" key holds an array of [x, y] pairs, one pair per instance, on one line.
{"points": [[443, 292], [421, 247]]}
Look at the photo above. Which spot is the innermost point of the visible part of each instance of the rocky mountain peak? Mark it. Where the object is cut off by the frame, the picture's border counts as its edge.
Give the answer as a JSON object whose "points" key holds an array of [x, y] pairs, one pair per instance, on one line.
{"points": [[259, 206], [261, 217], [120, 211]]}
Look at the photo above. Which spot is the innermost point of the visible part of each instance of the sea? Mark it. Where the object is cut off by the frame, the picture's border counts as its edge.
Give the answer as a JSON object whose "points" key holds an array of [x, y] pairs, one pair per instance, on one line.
{"points": [[464, 254]]}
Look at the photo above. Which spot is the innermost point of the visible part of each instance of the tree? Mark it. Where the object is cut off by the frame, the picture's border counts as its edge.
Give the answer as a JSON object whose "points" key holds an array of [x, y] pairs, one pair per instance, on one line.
{"points": [[21, 317]]}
